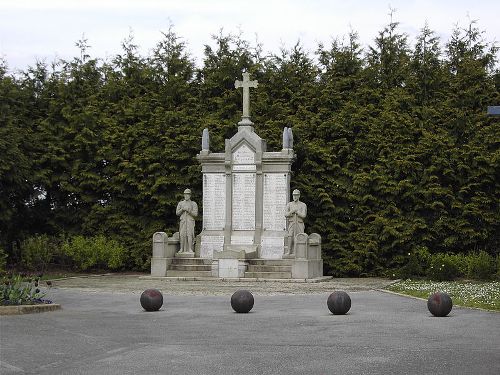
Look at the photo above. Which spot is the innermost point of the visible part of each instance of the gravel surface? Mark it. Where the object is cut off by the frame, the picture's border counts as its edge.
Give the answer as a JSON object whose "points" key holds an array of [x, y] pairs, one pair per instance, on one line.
{"points": [[133, 283]]}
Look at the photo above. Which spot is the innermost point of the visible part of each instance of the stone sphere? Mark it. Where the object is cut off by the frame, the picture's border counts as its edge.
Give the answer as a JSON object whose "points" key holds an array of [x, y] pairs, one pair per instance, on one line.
{"points": [[242, 301], [439, 304], [151, 300], [339, 303]]}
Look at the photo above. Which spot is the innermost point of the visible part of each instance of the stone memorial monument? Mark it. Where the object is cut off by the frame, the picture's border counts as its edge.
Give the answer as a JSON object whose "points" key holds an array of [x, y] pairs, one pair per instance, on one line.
{"points": [[249, 227]]}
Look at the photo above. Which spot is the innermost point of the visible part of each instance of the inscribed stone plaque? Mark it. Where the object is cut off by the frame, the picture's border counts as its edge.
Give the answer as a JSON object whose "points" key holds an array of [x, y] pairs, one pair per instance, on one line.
{"points": [[243, 155], [243, 217], [214, 201], [209, 244], [241, 240], [274, 202], [244, 167], [272, 247]]}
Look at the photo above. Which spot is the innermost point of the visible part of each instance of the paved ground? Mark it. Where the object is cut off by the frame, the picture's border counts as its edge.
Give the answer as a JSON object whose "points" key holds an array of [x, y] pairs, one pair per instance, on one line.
{"points": [[127, 284], [289, 331]]}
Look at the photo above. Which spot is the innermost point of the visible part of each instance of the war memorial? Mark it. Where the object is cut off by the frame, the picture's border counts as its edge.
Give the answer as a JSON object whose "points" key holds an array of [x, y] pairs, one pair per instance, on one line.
{"points": [[251, 229]]}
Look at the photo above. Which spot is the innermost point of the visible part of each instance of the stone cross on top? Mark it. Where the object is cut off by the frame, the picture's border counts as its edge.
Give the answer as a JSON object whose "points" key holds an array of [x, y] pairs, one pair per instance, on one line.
{"points": [[246, 84]]}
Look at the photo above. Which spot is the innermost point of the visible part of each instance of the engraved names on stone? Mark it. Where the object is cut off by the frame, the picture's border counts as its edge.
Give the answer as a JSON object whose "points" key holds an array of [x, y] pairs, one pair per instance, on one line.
{"points": [[209, 244], [272, 247], [214, 201], [244, 167], [241, 240], [274, 201], [243, 217]]}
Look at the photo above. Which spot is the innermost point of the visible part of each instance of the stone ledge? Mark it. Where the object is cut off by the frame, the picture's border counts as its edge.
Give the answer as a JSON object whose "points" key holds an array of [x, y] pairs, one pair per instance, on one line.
{"points": [[28, 309], [237, 279]]}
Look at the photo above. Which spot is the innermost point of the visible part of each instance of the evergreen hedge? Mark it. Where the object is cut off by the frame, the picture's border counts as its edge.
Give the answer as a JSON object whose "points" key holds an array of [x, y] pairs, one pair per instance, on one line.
{"points": [[395, 152]]}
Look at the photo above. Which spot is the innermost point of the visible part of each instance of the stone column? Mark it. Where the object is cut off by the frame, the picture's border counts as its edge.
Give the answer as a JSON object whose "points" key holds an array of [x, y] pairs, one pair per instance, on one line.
{"points": [[159, 262]]}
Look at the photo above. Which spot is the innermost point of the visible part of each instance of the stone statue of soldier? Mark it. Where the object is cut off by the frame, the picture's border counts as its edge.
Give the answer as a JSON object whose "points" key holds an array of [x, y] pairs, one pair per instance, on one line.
{"points": [[187, 210], [296, 212]]}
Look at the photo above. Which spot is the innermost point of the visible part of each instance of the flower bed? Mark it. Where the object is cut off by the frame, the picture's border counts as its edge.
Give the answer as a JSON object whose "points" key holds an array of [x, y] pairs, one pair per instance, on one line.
{"points": [[484, 295]]}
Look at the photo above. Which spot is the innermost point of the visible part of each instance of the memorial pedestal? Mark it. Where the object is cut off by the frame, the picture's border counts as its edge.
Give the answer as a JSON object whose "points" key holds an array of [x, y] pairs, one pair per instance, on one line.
{"points": [[185, 254], [246, 190], [164, 250]]}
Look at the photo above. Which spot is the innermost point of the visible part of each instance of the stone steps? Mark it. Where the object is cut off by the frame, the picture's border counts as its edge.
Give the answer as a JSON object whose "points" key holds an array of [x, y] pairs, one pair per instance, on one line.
{"points": [[191, 261], [268, 275], [270, 262], [178, 273], [257, 268], [268, 268], [191, 267]]}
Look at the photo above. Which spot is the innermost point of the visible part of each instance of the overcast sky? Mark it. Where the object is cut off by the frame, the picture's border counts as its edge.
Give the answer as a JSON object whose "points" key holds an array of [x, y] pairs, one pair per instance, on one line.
{"points": [[32, 30]]}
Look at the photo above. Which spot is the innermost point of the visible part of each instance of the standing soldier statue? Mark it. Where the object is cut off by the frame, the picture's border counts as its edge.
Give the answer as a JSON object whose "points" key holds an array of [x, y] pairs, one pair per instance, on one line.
{"points": [[187, 210], [296, 212]]}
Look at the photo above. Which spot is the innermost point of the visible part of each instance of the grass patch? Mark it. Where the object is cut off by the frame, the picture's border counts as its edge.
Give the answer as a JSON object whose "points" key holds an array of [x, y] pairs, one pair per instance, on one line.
{"points": [[485, 295]]}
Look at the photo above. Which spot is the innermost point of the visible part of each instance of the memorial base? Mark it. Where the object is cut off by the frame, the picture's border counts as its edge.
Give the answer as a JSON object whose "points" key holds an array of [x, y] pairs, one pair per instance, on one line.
{"points": [[159, 266], [229, 268], [307, 269], [185, 254], [238, 251]]}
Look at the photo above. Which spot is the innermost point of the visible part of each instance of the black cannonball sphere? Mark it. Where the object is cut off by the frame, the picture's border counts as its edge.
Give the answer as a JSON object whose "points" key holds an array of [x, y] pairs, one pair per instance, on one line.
{"points": [[242, 301], [339, 303], [151, 300], [439, 304]]}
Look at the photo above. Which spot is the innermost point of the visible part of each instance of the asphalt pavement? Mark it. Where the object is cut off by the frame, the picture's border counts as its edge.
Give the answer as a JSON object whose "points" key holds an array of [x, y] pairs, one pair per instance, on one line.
{"points": [[99, 332]]}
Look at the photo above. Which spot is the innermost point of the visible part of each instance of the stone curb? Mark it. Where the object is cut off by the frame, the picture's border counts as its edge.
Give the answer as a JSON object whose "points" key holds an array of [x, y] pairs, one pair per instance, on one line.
{"points": [[237, 279], [79, 277], [28, 309]]}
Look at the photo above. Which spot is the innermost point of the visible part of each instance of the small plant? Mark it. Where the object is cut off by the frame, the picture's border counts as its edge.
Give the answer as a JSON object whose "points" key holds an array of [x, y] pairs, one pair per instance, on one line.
{"points": [[3, 260], [21, 290], [498, 267], [94, 252], [445, 267], [480, 266], [38, 252], [415, 264]]}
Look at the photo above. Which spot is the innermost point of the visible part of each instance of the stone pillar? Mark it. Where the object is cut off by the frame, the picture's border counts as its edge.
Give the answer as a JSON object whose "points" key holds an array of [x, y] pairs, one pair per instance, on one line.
{"points": [[300, 246], [314, 246], [308, 263], [159, 261], [173, 245], [197, 246]]}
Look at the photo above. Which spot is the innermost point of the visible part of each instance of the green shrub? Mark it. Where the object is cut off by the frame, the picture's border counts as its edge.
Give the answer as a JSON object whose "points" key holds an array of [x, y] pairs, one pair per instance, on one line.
{"points": [[3, 261], [443, 267], [38, 252], [94, 252], [481, 266], [415, 264]]}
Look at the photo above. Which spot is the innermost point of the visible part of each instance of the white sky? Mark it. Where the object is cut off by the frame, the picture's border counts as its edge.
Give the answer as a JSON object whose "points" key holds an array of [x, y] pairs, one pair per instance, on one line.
{"points": [[32, 30]]}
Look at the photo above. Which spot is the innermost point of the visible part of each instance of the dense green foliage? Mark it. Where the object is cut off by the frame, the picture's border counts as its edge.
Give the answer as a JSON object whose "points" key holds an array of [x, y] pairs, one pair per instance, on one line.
{"points": [[94, 252], [395, 152]]}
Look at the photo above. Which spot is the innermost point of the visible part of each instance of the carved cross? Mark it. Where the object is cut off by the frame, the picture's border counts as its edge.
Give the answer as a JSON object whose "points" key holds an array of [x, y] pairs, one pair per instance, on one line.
{"points": [[246, 84]]}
